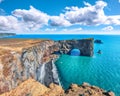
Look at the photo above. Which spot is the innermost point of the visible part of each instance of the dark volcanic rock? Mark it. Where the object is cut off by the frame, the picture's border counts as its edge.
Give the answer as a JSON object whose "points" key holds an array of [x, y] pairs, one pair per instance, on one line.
{"points": [[98, 41], [87, 90], [84, 45]]}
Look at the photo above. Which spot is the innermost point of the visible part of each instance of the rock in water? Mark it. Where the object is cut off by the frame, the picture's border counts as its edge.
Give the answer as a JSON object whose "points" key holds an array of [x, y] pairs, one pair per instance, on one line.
{"points": [[98, 41], [75, 52]]}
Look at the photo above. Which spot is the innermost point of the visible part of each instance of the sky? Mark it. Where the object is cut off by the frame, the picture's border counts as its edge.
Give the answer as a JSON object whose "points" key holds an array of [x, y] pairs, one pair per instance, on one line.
{"points": [[60, 16]]}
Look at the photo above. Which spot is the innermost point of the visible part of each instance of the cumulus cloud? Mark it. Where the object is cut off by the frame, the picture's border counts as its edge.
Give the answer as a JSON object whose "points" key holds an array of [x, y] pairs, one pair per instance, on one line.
{"points": [[89, 15], [8, 23], [59, 21], [113, 20], [32, 18], [24, 20], [108, 28]]}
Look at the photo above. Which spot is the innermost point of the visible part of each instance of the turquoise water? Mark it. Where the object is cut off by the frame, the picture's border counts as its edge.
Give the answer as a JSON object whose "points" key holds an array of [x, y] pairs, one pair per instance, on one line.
{"points": [[53, 37], [102, 70]]}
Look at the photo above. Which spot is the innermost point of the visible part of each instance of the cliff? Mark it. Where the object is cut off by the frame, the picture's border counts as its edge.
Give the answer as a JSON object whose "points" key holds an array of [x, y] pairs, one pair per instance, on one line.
{"points": [[33, 88], [21, 59]]}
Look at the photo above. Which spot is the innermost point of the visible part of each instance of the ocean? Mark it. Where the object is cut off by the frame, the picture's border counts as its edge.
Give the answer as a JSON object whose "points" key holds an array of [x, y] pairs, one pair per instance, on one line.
{"points": [[101, 70]]}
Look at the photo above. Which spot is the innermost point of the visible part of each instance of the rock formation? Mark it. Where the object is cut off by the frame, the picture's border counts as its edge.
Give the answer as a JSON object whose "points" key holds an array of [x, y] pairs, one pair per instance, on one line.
{"points": [[32, 88], [84, 45], [87, 90], [98, 41]]}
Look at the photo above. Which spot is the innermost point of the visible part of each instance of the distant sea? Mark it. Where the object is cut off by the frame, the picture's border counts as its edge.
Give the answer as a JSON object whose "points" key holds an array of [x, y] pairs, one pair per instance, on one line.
{"points": [[102, 70]]}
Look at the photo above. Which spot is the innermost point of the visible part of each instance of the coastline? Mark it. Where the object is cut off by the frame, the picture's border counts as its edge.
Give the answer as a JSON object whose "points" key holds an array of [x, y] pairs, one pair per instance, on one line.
{"points": [[23, 61]]}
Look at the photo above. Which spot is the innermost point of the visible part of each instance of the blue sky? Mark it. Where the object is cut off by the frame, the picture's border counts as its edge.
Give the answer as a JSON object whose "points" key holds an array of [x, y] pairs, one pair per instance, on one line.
{"points": [[60, 16]]}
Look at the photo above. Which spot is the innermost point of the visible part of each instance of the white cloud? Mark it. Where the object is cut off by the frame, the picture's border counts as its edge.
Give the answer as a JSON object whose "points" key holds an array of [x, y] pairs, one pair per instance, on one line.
{"points": [[119, 1], [32, 18], [87, 4], [89, 15], [8, 23], [108, 28], [24, 20], [50, 29], [113, 20], [73, 8], [74, 30], [59, 21]]}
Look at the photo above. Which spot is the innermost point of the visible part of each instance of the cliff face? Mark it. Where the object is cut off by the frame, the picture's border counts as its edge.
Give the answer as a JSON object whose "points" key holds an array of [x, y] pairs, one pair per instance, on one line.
{"points": [[24, 59], [20, 61]]}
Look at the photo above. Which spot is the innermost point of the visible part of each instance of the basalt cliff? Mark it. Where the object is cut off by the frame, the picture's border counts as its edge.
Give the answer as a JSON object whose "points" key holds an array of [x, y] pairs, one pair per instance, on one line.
{"points": [[21, 59]]}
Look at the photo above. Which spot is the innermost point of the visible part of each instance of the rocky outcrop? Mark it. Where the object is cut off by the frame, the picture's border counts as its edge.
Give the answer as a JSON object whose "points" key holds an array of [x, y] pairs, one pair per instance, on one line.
{"points": [[87, 90], [22, 59], [84, 45], [32, 88], [98, 42]]}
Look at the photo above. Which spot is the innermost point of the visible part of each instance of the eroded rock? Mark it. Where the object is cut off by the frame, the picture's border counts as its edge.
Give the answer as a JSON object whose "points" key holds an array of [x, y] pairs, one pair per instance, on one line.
{"points": [[31, 87]]}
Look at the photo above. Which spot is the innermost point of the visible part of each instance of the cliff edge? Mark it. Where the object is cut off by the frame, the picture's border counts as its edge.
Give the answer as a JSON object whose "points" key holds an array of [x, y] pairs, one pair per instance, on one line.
{"points": [[21, 59], [31, 87]]}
